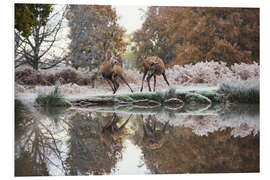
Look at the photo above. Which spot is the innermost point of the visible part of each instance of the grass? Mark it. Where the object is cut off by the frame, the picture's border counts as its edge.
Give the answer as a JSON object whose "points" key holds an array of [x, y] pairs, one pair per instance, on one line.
{"points": [[155, 96], [53, 99], [241, 91], [161, 97], [235, 91]]}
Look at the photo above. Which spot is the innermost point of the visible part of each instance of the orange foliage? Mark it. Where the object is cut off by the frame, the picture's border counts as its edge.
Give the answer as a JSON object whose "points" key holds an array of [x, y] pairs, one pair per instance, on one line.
{"points": [[181, 35]]}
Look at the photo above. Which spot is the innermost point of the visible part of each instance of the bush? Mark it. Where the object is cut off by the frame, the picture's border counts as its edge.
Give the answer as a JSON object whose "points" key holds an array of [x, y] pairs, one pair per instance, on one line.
{"points": [[28, 76], [246, 71], [67, 76], [54, 98]]}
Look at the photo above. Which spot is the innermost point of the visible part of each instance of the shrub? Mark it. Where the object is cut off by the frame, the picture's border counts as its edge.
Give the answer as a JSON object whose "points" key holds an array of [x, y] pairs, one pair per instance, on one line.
{"points": [[26, 75], [246, 71], [67, 76], [54, 98]]}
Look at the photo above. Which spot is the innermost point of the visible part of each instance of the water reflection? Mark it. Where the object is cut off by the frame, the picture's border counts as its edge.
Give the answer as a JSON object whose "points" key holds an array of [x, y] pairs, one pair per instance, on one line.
{"points": [[37, 143], [81, 142], [153, 138]]}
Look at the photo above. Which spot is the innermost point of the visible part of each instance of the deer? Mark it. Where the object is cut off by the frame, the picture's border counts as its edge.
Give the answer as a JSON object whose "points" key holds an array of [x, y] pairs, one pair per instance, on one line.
{"points": [[111, 71], [153, 66]]}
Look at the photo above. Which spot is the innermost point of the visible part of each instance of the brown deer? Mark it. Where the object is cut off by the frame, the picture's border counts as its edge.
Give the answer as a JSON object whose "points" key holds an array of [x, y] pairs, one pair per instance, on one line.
{"points": [[153, 66], [111, 71]]}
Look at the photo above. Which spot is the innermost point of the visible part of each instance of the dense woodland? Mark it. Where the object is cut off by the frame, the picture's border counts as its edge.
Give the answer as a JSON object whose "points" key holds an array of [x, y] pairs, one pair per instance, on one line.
{"points": [[181, 35]]}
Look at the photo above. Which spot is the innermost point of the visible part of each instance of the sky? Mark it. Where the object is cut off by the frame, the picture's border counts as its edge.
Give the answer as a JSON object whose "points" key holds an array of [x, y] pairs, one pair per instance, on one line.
{"points": [[130, 17]]}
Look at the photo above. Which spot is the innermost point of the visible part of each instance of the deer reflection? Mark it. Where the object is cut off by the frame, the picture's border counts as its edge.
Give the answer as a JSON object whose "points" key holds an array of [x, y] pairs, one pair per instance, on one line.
{"points": [[111, 133], [153, 137], [95, 144]]}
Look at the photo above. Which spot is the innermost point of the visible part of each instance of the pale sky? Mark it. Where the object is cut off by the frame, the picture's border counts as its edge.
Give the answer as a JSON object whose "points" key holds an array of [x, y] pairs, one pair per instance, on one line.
{"points": [[130, 17]]}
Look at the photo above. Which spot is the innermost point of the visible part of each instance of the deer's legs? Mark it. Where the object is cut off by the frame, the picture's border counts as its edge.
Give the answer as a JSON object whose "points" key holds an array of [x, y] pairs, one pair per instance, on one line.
{"points": [[148, 80], [116, 85], [123, 125], [144, 74], [123, 79], [111, 85], [165, 78], [154, 82]]}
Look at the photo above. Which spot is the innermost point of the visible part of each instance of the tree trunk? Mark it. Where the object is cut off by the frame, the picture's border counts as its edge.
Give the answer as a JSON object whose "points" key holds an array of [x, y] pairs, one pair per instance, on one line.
{"points": [[35, 64]]}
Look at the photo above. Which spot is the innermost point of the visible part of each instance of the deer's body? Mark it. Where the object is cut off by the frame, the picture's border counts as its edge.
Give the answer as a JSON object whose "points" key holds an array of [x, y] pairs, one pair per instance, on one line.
{"points": [[154, 66], [111, 71]]}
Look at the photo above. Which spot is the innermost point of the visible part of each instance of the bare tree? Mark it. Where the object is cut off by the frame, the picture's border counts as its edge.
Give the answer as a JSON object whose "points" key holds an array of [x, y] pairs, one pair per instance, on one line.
{"points": [[33, 50]]}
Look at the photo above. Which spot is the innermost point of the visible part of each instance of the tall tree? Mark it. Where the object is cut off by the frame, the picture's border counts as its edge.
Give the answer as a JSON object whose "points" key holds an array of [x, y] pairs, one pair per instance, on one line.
{"points": [[36, 30], [94, 33], [181, 35]]}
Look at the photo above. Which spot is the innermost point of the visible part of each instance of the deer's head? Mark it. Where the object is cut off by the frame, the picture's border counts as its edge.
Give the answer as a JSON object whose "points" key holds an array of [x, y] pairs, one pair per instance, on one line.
{"points": [[114, 61]]}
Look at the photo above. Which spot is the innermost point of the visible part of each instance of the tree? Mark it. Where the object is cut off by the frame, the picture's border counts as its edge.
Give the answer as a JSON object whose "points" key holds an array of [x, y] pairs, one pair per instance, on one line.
{"points": [[181, 35], [36, 31], [94, 33], [29, 15]]}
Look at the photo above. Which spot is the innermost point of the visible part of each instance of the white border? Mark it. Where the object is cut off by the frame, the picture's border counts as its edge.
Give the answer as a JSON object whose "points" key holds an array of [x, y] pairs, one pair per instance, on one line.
{"points": [[7, 81]]}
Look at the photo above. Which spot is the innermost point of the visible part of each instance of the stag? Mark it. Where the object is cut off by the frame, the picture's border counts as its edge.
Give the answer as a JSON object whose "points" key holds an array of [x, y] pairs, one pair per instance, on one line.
{"points": [[153, 66], [112, 71]]}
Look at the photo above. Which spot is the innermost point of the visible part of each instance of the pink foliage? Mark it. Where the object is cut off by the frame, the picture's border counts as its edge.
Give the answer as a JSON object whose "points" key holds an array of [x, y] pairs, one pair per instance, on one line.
{"points": [[246, 71], [203, 72]]}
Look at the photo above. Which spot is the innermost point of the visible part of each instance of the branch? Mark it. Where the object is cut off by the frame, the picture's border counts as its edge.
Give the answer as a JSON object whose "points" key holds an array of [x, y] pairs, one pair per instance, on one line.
{"points": [[55, 31], [53, 65], [18, 65]]}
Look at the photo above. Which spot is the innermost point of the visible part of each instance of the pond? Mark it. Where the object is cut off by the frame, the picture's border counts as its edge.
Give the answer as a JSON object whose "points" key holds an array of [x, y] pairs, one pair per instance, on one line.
{"points": [[84, 141]]}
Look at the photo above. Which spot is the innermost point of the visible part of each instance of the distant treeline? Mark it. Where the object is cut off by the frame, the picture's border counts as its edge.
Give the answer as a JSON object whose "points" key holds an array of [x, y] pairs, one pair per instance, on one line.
{"points": [[181, 35]]}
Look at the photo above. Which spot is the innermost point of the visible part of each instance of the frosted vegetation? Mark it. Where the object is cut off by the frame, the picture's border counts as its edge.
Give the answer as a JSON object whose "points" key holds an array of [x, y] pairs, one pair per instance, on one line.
{"points": [[52, 99], [239, 77]]}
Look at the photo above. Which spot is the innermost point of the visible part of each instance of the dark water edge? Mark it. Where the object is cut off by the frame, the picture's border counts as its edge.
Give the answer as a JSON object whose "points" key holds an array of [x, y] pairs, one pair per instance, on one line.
{"points": [[96, 141]]}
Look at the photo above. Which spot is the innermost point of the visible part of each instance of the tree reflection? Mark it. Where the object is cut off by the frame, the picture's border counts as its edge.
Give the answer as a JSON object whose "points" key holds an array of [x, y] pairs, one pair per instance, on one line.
{"points": [[35, 144], [93, 142]]}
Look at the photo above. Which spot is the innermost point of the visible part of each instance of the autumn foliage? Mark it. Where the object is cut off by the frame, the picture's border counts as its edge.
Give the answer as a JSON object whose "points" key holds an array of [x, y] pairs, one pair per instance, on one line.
{"points": [[182, 35]]}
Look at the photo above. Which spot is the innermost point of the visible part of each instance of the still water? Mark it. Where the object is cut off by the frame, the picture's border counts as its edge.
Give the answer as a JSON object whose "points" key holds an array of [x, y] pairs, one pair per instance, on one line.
{"points": [[86, 142]]}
